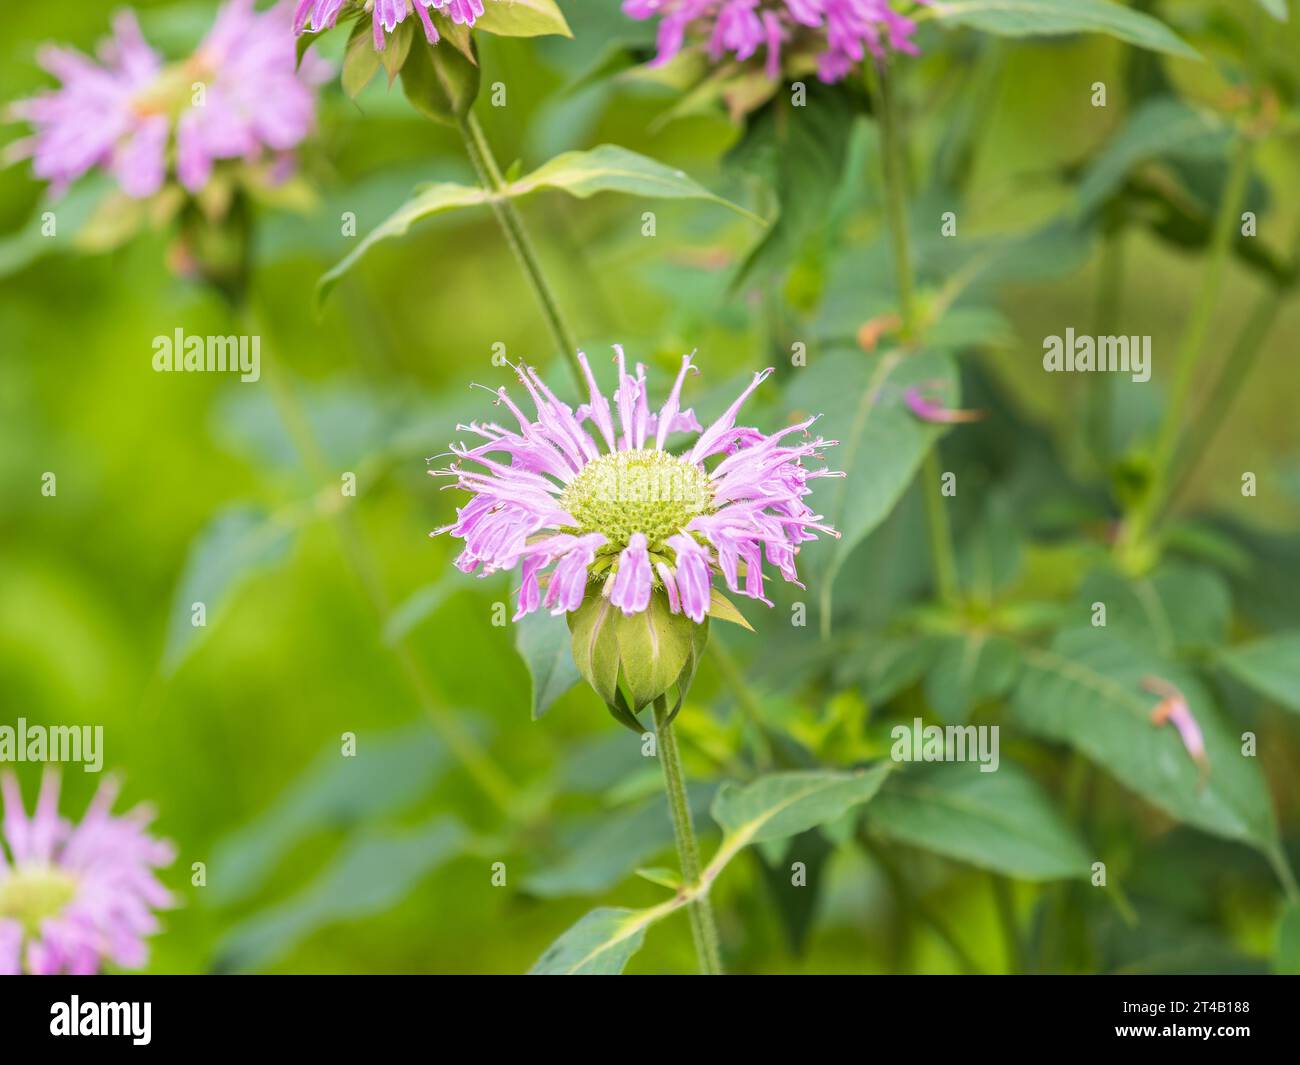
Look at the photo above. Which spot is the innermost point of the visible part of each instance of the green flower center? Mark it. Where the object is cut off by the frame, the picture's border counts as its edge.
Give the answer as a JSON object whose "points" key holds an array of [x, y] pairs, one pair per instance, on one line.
{"points": [[30, 894], [627, 492]]}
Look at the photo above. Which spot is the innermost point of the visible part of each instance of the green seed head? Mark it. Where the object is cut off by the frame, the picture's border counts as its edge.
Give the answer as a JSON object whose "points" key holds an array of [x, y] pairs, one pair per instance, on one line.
{"points": [[646, 491]]}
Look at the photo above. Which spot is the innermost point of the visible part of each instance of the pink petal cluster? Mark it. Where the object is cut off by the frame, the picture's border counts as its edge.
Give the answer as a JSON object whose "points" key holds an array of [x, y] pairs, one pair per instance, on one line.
{"points": [[255, 98], [238, 96], [846, 29], [385, 15], [109, 862], [756, 484]]}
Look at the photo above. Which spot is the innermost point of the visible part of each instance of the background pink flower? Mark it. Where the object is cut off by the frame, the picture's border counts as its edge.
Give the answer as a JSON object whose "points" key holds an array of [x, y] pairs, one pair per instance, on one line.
{"points": [[75, 896]]}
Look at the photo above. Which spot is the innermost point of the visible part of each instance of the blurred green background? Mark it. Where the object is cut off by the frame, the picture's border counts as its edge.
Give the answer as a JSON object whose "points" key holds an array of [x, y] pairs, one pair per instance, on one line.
{"points": [[178, 487]]}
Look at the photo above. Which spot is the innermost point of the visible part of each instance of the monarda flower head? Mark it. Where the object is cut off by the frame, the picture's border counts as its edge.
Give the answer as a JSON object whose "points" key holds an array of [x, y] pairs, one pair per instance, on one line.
{"points": [[238, 97], [74, 897], [839, 32], [625, 537], [385, 15]]}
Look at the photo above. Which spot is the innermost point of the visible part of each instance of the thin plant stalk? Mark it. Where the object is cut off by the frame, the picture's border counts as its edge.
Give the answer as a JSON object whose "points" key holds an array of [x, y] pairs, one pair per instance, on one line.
{"points": [[1233, 375], [1005, 900], [480, 766], [704, 929], [520, 243], [1193, 344], [893, 170]]}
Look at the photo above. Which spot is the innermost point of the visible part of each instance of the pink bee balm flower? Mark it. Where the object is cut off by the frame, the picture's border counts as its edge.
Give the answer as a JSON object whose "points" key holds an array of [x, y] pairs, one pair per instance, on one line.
{"points": [[385, 15], [73, 897], [238, 96], [843, 30], [253, 97], [100, 116], [606, 502]]}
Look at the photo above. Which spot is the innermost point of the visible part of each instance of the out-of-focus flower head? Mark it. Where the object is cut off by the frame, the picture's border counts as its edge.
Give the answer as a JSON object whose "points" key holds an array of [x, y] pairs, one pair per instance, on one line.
{"points": [[74, 897], [385, 15], [840, 32], [238, 97]]}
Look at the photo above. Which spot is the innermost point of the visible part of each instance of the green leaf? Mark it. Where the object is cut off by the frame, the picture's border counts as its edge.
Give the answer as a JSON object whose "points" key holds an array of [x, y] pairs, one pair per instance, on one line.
{"points": [[1087, 692], [523, 18], [1160, 128], [600, 944], [418, 606], [1001, 821], [724, 609], [786, 804], [611, 168], [612, 844], [881, 441], [389, 772], [971, 668], [360, 60], [441, 83], [1270, 665], [238, 542], [544, 644], [800, 152], [1286, 961], [395, 52], [1038, 18], [72, 214], [433, 199], [1276, 8], [607, 168], [372, 873], [1178, 606]]}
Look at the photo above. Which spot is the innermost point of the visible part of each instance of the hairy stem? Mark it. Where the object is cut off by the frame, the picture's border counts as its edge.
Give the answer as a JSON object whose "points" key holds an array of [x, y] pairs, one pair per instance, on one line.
{"points": [[703, 928], [521, 245]]}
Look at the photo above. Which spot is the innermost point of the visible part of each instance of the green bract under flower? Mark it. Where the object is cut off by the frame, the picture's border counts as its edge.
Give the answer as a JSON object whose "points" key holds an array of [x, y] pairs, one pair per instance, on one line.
{"points": [[645, 491]]}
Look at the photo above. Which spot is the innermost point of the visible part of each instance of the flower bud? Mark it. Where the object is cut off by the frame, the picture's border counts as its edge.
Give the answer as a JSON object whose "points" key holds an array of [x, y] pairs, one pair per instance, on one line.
{"points": [[633, 660]]}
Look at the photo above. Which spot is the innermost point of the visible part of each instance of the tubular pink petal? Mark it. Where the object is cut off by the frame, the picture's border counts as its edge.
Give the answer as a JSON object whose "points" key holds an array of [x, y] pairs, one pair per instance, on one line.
{"points": [[633, 581]]}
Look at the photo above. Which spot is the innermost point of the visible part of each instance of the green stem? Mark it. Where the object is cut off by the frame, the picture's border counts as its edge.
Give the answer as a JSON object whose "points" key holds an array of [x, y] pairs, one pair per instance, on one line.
{"points": [[942, 557], [909, 900], [703, 928], [1282, 868], [1004, 897], [893, 164], [460, 741], [1193, 341], [1233, 375], [893, 170], [1110, 288], [521, 245]]}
